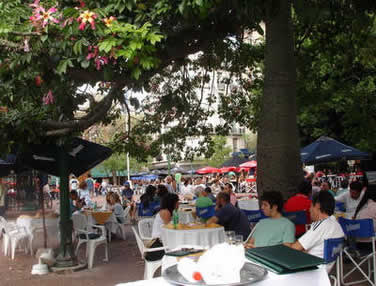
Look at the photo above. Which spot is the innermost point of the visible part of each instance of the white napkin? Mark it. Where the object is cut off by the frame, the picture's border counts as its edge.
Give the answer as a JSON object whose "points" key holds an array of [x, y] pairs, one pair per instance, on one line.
{"points": [[219, 265]]}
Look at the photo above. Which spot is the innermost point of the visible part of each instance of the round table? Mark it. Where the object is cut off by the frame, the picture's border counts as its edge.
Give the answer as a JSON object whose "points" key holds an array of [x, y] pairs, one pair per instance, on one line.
{"points": [[205, 237]]}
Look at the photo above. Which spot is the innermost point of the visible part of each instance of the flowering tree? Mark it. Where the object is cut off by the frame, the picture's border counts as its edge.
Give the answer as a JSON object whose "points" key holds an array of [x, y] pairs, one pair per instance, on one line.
{"points": [[50, 51]]}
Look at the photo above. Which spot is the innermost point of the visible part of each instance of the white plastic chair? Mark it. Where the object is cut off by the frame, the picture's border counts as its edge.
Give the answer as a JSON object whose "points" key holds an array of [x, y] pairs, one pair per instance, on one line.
{"points": [[13, 236], [150, 266], [145, 228], [92, 239], [122, 225]]}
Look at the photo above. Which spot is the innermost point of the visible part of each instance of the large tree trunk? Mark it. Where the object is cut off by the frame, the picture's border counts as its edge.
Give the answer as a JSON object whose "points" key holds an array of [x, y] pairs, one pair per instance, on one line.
{"points": [[278, 156]]}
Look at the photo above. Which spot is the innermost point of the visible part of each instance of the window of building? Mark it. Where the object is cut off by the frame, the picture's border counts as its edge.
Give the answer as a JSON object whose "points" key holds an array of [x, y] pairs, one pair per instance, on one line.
{"points": [[235, 145]]}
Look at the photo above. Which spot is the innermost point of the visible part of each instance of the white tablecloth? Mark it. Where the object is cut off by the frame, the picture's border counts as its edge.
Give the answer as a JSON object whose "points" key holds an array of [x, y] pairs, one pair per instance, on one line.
{"points": [[206, 237], [250, 205], [307, 278]]}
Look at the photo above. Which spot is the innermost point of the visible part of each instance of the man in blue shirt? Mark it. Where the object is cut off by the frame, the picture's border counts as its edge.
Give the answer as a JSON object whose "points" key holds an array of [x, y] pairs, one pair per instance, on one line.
{"points": [[230, 217], [127, 192]]}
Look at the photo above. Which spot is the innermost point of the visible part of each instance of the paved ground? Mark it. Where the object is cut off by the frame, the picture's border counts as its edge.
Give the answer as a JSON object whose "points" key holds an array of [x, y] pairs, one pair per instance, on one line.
{"points": [[125, 265]]}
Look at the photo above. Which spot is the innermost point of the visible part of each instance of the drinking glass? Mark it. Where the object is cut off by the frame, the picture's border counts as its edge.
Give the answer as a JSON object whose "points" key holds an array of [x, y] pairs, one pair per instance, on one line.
{"points": [[230, 236], [238, 239]]}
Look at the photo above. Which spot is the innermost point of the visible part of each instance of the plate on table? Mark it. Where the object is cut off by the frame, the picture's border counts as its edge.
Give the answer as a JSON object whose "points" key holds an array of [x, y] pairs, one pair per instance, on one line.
{"points": [[249, 274]]}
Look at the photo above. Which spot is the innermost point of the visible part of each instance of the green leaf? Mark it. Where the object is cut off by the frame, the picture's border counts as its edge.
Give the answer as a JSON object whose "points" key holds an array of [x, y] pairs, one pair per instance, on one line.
{"points": [[136, 73], [77, 48], [154, 38], [44, 38], [63, 65], [85, 64]]}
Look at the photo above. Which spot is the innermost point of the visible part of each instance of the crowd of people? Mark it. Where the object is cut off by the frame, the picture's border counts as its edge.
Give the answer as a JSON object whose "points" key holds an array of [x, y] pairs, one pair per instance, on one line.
{"points": [[314, 195]]}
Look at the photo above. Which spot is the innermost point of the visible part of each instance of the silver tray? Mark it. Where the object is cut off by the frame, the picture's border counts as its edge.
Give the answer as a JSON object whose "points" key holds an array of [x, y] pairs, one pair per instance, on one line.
{"points": [[249, 274]]}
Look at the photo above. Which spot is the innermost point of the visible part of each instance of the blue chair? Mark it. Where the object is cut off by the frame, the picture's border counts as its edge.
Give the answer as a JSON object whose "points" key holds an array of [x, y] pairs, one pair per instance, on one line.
{"points": [[332, 253], [206, 212], [254, 215], [340, 207], [361, 228]]}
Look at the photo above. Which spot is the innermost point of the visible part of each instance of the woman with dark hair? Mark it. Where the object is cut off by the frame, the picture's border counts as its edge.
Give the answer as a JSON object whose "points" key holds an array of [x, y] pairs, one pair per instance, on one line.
{"points": [[367, 209], [148, 197], [169, 203], [161, 191]]}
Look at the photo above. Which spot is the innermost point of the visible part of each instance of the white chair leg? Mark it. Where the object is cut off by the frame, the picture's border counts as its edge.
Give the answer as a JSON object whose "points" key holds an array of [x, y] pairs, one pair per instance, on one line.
{"points": [[13, 246], [106, 252], [91, 251], [6, 245]]}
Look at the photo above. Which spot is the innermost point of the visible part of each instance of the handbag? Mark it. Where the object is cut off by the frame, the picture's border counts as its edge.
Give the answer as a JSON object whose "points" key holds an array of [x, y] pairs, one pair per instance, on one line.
{"points": [[155, 255]]}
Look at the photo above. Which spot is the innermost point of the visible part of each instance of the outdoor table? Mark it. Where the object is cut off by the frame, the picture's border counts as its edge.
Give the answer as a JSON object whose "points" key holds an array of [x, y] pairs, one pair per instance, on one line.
{"points": [[306, 278], [102, 218], [195, 234]]}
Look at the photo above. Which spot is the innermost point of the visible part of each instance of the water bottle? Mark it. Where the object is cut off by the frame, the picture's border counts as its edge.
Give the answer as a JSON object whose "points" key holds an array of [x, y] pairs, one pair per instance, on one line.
{"points": [[95, 206], [175, 218]]}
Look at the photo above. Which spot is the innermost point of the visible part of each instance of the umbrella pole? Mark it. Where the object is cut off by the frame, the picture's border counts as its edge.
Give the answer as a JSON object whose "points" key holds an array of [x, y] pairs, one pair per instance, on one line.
{"points": [[66, 256]]}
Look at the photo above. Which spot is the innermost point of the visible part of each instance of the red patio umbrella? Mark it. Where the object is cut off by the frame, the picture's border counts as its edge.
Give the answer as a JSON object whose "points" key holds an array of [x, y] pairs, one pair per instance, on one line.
{"points": [[207, 170], [241, 169], [228, 169], [249, 164]]}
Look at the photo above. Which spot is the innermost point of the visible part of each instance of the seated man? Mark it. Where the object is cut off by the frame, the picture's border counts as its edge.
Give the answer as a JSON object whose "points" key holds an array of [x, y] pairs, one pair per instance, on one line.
{"points": [[203, 200], [351, 198], [127, 192], [300, 202], [326, 186], [275, 229], [230, 217], [324, 226]]}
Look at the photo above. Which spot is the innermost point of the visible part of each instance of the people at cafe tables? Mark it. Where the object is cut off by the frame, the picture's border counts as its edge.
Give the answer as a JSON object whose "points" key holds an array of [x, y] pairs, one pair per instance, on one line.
{"points": [[74, 202], [203, 200], [365, 210], [209, 194], [351, 198], [127, 192], [300, 202], [324, 226], [84, 193], [169, 203], [275, 229], [228, 188], [116, 207], [230, 217], [326, 186], [344, 188], [170, 184]]}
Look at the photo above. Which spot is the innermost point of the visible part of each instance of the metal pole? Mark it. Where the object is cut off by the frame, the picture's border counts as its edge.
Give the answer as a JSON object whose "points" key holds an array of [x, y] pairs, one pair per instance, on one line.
{"points": [[65, 257], [129, 176]]}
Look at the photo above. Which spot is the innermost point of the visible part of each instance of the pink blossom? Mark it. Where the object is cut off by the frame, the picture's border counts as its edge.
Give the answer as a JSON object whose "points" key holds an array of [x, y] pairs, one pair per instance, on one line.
{"points": [[100, 61], [48, 98], [87, 17], [41, 16]]}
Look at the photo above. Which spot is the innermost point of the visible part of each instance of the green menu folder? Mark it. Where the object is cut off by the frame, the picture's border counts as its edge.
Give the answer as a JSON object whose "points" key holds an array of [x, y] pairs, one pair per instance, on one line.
{"points": [[282, 259]]}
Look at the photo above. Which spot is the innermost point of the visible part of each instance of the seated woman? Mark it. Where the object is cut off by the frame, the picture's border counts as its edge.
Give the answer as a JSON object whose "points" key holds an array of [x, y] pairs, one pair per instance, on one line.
{"points": [[169, 203], [146, 200], [117, 208], [367, 209], [107, 202], [273, 230]]}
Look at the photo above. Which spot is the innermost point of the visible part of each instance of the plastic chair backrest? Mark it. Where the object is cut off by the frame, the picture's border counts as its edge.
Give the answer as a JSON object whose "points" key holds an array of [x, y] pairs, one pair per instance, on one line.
{"points": [[340, 207], [140, 244], [254, 216], [333, 248], [299, 217], [145, 228], [360, 228], [206, 212], [80, 221]]}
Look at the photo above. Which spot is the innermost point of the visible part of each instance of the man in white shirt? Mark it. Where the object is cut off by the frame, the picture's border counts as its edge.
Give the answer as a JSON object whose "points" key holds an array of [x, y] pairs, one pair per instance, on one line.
{"points": [[324, 226], [73, 183], [351, 198]]}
